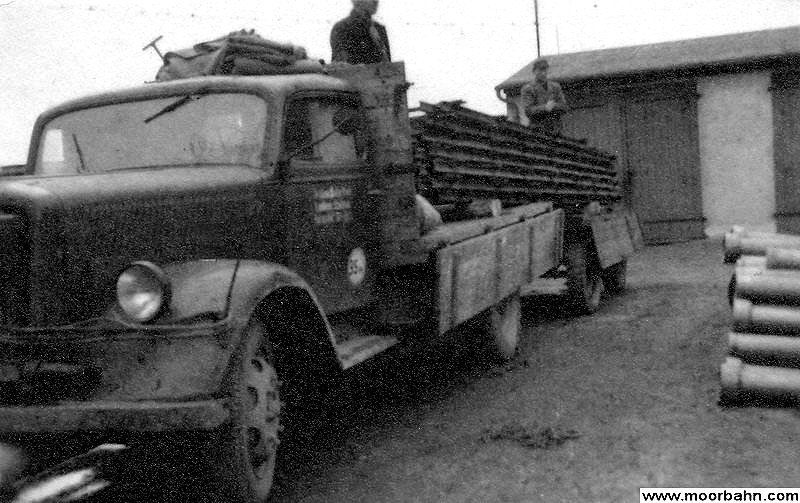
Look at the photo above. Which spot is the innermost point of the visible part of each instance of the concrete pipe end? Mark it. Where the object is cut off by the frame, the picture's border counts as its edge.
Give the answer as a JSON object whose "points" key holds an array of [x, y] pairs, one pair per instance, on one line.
{"points": [[742, 310], [733, 342], [745, 277], [730, 373], [732, 244], [754, 262], [782, 258], [772, 258]]}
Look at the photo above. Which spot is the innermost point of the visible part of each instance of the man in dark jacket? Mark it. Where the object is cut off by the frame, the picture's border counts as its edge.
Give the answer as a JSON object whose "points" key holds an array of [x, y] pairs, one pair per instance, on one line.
{"points": [[359, 40], [543, 100]]}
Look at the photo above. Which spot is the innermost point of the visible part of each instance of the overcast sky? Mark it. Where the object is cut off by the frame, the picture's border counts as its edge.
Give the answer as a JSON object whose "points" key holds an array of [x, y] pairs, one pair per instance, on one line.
{"points": [[54, 50]]}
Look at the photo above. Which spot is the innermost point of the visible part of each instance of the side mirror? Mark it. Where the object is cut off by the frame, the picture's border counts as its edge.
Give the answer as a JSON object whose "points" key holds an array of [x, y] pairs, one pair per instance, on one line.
{"points": [[347, 121]]}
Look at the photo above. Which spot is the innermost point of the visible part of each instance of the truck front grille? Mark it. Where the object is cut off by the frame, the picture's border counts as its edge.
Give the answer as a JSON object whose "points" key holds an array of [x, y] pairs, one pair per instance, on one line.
{"points": [[14, 270]]}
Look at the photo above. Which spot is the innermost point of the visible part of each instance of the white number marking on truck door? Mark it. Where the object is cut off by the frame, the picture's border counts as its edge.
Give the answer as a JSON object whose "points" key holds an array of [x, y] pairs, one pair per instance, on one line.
{"points": [[333, 205], [357, 267]]}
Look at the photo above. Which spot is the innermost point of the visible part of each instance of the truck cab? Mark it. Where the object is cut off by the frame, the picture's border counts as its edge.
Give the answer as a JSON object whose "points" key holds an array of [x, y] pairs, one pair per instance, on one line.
{"points": [[213, 167], [157, 232]]}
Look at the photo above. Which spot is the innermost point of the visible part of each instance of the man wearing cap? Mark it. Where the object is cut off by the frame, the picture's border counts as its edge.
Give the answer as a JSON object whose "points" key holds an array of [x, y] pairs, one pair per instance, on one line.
{"points": [[359, 40], [543, 100]]}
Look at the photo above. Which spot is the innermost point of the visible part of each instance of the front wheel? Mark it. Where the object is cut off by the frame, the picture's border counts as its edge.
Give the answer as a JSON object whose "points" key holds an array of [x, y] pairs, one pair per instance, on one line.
{"points": [[244, 460]]}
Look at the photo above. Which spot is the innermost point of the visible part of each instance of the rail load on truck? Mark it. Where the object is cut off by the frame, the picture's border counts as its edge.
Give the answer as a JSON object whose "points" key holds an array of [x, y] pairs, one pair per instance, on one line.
{"points": [[203, 253]]}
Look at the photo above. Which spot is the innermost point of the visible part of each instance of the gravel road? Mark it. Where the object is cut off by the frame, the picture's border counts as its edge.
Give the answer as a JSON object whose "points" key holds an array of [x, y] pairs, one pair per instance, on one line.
{"points": [[593, 408]]}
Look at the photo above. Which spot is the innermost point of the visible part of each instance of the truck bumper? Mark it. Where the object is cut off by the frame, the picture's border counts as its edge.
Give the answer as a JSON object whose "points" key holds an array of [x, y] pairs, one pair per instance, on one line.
{"points": [[85, 417], [168, 378]]}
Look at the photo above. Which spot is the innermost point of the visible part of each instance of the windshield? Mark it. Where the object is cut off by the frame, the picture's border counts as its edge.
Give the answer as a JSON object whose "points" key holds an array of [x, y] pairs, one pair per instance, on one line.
{"points": [[194, 129]]}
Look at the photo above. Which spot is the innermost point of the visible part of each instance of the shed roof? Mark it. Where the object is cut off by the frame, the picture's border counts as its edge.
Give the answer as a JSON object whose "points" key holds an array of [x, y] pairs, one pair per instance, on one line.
{"points": [[733, 49]]}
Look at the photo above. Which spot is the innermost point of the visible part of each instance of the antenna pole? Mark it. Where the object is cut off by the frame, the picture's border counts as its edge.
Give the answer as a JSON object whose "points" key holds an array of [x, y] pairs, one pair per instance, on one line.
{"points": [[536, 22]]}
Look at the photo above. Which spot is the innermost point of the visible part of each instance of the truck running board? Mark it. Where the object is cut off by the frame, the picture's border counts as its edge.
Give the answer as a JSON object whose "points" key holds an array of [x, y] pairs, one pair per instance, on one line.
{"points": [[543, 286], [359, 349]]}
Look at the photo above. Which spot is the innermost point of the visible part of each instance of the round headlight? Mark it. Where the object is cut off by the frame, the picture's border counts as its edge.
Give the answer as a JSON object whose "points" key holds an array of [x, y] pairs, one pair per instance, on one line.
{"points": [[142, 291]]}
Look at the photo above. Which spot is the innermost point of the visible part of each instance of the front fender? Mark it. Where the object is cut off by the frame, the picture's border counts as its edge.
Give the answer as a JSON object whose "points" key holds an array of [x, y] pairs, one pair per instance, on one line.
{"points": [[237, 290], [279, 296], [200, 288], [173, 365], [215, 293], [228, 289]]}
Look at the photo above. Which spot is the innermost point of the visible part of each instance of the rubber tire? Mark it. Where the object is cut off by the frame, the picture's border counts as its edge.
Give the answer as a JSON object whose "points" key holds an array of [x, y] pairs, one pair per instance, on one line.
{"points": [[584, 282], [615, 277], [244, 457], [505, 326]]}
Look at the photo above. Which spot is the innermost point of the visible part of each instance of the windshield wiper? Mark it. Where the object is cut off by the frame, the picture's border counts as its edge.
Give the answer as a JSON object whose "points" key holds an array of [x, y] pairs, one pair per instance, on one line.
{"points": [[80, 153], [175, 105]]}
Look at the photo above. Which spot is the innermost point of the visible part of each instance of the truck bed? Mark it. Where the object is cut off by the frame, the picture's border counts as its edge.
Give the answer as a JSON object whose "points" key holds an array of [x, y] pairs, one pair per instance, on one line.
{"points": [[480, 263], [454, 232]]}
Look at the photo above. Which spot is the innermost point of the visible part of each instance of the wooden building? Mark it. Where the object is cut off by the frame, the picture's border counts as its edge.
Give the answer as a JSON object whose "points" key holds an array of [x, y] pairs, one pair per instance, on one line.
{"points": [[706, 131]]}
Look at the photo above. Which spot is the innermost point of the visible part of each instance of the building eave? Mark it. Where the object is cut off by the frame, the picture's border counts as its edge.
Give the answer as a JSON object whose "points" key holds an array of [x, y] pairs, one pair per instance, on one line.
{"points": [[734, 52]]}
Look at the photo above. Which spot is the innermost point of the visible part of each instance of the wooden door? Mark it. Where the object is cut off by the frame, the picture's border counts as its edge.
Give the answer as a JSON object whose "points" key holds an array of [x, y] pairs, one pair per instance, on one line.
{"points": [[786, 120], [600, 124], [663, 161]]}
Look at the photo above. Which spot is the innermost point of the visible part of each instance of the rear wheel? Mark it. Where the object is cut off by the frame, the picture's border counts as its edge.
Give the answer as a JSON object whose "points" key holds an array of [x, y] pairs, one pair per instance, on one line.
{"points": [[244, 459], [584, 284], [505, 326]]}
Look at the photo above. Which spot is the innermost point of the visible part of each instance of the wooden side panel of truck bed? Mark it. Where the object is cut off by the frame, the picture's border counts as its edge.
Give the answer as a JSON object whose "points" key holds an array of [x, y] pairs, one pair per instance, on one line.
{"points": [[475, 274], [617, 236]]}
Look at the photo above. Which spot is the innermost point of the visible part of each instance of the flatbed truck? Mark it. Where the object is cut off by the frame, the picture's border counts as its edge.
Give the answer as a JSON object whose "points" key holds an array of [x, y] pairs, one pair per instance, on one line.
{"points": [[172, 251]]}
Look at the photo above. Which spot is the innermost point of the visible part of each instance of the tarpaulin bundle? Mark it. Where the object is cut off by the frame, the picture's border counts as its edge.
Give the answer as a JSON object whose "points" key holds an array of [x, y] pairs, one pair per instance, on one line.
{"points": [[238, 53]]}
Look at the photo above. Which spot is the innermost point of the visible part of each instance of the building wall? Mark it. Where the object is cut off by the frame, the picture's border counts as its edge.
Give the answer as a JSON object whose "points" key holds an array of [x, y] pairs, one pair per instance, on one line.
{"points": [[736, 151], [786, 118], [735, 132]]}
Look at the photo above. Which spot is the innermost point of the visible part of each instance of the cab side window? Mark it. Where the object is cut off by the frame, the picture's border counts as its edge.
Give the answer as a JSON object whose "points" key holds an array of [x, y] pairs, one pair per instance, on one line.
{"points": [[314, 131], [297, 132]]}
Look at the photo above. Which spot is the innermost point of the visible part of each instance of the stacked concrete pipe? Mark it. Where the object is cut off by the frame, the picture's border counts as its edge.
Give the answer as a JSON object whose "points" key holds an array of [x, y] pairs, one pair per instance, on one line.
{"points": [[739, 243], [764, 345]]}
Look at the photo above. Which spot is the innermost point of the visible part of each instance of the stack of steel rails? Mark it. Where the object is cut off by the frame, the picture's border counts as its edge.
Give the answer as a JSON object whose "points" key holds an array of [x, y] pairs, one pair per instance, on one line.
{"points": [[464, 155], [764, 345]]}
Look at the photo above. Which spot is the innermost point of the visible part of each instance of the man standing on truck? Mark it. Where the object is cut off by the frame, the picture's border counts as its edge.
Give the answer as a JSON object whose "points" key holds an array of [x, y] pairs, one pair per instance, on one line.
{"points": [[543, 100], [358, 39]]}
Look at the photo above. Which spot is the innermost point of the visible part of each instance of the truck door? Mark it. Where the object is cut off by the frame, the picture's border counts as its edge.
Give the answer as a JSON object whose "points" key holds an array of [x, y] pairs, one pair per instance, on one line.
{"points": [[333, 238]]}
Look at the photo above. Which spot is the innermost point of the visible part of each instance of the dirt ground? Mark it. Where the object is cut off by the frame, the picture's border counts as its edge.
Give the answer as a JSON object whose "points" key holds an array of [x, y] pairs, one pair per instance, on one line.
{"points": [[594, 408]]}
